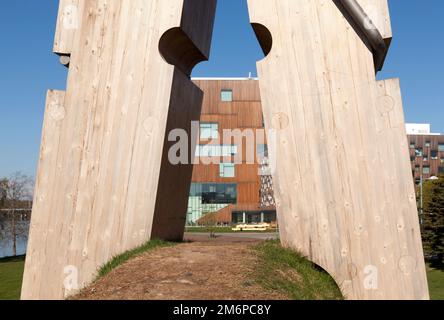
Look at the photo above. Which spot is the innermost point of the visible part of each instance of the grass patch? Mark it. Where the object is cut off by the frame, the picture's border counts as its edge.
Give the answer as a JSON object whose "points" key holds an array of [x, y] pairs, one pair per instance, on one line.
{"points": [[11, 276], [279, 269], [436, 283], [285, 271], [124, 257], [222, 230]]}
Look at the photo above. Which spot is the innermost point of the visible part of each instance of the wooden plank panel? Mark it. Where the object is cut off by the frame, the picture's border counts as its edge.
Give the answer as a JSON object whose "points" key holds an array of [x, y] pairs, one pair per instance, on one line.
{"points": [[68, 22], [243, 91], [43, 224], [175, 179], [331, 182], [398, 187], [110, 159], [378, 11], [248, 193]]}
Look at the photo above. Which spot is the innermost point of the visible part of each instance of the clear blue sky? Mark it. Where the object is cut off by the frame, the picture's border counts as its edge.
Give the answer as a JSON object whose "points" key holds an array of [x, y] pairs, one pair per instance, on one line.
{"points": [[28, 68]]}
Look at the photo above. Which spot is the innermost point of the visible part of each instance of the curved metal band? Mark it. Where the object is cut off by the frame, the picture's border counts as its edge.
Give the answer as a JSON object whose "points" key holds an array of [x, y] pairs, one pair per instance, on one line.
{"points": [[368, 29]]}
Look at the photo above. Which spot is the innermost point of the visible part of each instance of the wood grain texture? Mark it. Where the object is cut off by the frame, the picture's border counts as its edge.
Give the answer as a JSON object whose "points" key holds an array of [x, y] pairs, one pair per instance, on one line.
{"points": [[103, 172], [378, 12], [344, 192], [175, 179], [68, 22]]}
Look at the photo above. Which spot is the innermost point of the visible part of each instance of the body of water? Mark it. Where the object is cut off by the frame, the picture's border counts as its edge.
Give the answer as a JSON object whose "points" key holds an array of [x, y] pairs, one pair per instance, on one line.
{"points": [[13, 229]]}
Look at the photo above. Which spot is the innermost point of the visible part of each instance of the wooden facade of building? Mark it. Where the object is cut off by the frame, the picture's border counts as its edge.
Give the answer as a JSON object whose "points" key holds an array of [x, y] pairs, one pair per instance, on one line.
{"points": [[241, 109], [427, 156], [230, 104]]}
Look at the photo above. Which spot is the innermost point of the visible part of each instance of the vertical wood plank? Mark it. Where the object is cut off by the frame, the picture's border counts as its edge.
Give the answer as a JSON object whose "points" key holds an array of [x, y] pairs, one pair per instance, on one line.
{"points": [[110, 148], [337, 201]]}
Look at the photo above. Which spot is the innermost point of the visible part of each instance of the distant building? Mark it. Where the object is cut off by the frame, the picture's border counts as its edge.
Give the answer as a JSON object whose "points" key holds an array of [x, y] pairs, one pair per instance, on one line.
{"points": [[418, 128], [426, 151], [230, 193]]}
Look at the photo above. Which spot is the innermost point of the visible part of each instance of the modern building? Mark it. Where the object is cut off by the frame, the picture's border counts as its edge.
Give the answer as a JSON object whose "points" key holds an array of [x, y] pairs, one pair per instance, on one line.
{"points": [[426, 151], [229, 191]]}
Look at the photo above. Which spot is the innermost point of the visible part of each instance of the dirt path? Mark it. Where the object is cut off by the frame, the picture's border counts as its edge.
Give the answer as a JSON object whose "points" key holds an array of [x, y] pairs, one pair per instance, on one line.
{"points": [[199, 270]]}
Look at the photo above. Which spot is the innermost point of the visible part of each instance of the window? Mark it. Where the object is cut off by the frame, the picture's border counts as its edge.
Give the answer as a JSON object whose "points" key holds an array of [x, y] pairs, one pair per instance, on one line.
{"points": [[262, 151], [417, 168], [228, 151], [441, 170], [427, 144], [215, 193], [209, 131], [226, 95], [442, 160], [227, 170], [425, 158], [412, 158], [419, 152], [412, 145], [426, 170], [434, 155], [441, 147], [215, 151]]}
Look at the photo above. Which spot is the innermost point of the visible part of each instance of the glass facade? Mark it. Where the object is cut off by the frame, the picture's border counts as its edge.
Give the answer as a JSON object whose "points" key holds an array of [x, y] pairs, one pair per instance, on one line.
{"points": [[208, 198], [215, 151], [215, 192], [227, 170], [209, 131], [262, 151], [226, 95], [419, 152], [252, 217]]}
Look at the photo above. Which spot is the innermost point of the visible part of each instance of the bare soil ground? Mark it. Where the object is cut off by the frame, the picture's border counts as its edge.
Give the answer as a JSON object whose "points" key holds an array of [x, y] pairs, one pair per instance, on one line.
{"points": [[201, 269]]}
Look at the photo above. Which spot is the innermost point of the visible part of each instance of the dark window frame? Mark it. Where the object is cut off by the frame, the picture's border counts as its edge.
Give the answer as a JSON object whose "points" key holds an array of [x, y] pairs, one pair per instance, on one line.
{"points": [[230, 91], [215, 193]]}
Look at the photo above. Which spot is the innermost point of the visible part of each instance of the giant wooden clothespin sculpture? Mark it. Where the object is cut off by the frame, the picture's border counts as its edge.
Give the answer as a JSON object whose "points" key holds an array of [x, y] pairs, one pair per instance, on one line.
{"points": [[343, 184], [105, 184]]}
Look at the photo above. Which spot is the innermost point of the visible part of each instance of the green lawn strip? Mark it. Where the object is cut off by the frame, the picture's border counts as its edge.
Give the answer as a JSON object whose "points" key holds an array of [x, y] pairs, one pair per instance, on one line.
{"points": [[11, 275], [287, 272], [279, 269], [436, 283], [124, 257]]}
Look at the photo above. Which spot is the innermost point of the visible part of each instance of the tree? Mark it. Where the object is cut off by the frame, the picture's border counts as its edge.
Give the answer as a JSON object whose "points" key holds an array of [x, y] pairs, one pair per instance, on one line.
{"points": [[433, 223], [19, 190], [3, 192], [16, 193]]}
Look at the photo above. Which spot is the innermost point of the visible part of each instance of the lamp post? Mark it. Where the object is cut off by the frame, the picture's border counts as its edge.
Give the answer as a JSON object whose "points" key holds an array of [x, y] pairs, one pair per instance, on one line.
{"points": [[421, 201]]}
